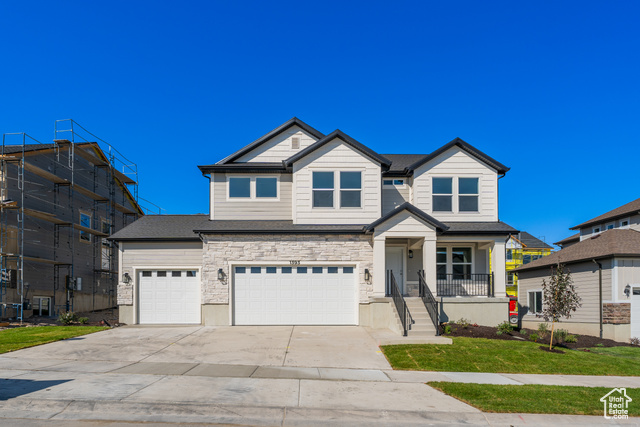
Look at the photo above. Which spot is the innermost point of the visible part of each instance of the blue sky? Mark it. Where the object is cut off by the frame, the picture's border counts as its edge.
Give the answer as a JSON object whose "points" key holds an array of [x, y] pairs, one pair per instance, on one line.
{"points": [[548, 88]]}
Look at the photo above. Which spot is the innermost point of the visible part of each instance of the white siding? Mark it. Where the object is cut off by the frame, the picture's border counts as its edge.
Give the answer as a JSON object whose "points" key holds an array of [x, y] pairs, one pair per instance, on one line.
{"points": [[627, 272], [247, 209], [393, 196], [457, 163], [585, 279], [336, 156], [160, 254], [279, 148]]}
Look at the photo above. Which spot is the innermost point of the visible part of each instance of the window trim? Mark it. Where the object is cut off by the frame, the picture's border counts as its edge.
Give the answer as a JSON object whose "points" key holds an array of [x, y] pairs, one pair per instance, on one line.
{"points": [[449, 263], [333, 189], [252, 188], [529, 292], [476, 195], [596, 229], [340, 190], [610, 225], [393, 184], [434, 194], [455, 194], [337, 190], [85, 233], [627, 220]]}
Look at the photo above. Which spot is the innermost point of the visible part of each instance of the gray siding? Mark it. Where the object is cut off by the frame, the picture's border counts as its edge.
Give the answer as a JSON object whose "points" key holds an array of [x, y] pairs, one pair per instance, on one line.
{"points": [[627, 272], [585, 279], [392, 197], [224, 209], [160, 254]]}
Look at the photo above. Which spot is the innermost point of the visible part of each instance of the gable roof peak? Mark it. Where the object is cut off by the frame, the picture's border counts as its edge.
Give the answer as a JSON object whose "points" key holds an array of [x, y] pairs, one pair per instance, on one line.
{"points": [[406, 206]]}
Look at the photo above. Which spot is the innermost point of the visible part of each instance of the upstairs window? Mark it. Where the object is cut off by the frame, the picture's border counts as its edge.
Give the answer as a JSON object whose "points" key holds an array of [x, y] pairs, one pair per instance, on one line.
{"points": [[295, 143], [85, 221], [266, 187], [442, 194], [323, 189], [240, 188], [509, 254], [350, 189], [468, 194], [624, 223], [393, 182]]}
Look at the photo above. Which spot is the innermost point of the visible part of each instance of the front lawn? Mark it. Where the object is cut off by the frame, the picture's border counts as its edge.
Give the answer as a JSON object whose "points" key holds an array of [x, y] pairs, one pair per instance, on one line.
{"points": [[17, 338], [535, 398], [517, 357]]}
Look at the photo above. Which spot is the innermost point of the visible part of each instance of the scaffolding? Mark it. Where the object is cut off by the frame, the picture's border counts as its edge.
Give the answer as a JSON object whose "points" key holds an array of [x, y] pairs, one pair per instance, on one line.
{"points": [[111, 185]]}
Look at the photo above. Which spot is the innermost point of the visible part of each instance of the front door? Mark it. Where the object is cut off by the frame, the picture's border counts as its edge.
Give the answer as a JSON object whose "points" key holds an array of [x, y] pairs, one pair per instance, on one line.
{"points": [[395, 263]]}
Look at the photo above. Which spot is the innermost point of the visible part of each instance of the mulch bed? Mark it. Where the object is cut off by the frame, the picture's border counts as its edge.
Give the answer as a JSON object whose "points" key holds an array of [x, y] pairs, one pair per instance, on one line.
{"points": [[105, 317], [476, 331]]}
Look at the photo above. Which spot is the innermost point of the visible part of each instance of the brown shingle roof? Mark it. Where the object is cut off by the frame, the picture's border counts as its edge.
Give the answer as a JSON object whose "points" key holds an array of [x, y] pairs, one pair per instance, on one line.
{"points": [[572, 238], [624, 210], [613, 242]]}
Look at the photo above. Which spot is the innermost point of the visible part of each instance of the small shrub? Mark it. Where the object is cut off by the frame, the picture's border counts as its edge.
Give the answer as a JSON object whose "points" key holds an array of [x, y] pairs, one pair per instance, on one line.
{"points": [[599, 345], [560, 336], [571, 339], [504, 328], [543, 330], [83, 320], [533, 337], [447, 329], [464, 323], [634, 341], [523, 332], [67, 318]]}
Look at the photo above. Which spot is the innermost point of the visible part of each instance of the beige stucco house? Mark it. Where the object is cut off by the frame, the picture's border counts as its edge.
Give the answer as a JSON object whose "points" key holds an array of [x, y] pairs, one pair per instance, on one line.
{"points": [[313, 229]]}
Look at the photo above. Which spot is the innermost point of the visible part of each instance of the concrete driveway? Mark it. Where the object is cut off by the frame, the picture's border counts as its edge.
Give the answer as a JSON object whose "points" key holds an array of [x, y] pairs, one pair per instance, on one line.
{"points": [[292, 346]]}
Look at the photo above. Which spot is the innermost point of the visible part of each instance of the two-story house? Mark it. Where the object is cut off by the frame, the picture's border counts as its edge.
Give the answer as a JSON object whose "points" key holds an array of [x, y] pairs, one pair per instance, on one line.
{"points": [[312, 229], [604, 261]]}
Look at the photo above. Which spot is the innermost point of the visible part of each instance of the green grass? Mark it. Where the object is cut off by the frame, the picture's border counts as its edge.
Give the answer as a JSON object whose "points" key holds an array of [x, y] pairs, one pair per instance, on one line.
{"points": [[17, 338], [518, 357], [535, 399]]}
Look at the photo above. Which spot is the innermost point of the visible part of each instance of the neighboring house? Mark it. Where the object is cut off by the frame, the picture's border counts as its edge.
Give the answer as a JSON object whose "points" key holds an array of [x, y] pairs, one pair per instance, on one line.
{"points": [[522, 248], [609, 247], [307, 228], [568, 241], [58, 204]]}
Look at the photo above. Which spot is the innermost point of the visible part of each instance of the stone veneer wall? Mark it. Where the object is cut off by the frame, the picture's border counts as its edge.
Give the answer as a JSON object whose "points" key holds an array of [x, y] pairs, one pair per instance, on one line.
{"points": [[616, 313], [125, 293], [219, 249]]}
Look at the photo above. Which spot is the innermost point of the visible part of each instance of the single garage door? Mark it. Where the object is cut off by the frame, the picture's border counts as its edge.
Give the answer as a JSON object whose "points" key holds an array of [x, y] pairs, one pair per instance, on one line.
{"points": [[169, 297], [300, 295]]}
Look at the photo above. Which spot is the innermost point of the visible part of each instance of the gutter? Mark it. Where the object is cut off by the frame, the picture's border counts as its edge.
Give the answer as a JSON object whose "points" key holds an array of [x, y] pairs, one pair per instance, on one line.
{"points": [[599, 292]]}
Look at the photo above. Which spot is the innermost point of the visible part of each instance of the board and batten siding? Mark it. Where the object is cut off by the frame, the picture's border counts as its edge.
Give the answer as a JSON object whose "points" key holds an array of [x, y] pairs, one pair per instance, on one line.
{"points": [[279, 147], [160, 255], [457, 163], [626, 272], [336, 156], [393, 196], [586, 282], [248, 209]]}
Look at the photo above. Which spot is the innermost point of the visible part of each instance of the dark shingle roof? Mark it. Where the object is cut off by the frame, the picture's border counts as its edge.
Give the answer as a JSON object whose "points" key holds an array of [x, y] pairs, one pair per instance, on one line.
{"points": [[492, 227], [532, 242], [345, 138], [283, 127], [406, 206], [572, 238], [399, 162], [624, 210], [276, 226], [610, 243], [163, 227], [465, 146], [250, 167]]}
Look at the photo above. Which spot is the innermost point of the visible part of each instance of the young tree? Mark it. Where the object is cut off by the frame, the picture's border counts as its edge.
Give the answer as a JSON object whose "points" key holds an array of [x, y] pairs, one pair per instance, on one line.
{"points": [[559, 297]]}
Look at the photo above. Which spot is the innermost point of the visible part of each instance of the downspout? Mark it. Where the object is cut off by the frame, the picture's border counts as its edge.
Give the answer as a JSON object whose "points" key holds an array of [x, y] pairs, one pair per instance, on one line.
{"points": [[600, 292]]}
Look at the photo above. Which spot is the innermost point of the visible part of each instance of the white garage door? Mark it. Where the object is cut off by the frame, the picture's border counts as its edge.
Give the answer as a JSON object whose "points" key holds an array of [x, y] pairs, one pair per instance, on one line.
{"points": [[169, 297], [301, 295], [635, 312]]}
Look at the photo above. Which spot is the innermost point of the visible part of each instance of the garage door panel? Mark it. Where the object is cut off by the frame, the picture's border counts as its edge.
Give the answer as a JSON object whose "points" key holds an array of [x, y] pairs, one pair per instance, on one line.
{"points": [[171, 297]]}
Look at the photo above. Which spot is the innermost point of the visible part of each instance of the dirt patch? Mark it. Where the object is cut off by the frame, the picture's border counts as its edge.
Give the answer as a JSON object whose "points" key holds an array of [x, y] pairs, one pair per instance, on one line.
{"points": [[550, 350], [476, 331]]}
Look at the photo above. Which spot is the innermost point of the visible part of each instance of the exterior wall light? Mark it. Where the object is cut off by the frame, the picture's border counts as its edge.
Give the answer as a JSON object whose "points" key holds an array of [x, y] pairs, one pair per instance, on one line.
{"points": [[126, 278], [410, 253], [627, 290], [367, 275], [221, 275]]}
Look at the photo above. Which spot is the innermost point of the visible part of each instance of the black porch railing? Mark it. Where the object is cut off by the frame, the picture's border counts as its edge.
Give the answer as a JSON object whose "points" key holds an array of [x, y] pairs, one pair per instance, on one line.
{"points": [[463, 284], [398, 300], [430, 303]]}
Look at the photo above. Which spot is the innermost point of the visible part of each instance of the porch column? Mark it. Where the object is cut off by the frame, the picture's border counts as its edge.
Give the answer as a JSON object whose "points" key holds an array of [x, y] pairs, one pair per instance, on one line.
{"points": [[498, 264], [429, 263], [379, 263]]}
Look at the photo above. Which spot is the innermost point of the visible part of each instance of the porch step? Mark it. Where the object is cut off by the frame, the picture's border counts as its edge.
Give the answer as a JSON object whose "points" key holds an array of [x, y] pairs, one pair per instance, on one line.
{"points": [[422, 325]]}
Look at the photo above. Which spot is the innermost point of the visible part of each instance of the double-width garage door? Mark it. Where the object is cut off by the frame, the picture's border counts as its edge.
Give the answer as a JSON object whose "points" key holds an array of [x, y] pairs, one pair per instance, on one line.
{"points": [[168, 297], [295, 295]]}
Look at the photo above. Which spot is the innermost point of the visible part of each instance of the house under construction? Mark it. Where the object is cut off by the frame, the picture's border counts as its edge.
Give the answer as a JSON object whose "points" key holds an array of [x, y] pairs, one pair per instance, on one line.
{"points": [[58, 204]]}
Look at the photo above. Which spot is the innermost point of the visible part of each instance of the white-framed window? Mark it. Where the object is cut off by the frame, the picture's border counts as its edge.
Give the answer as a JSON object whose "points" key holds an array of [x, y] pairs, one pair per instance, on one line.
{"points": [[441, 263], [442, 194], [323, 187], [252, 188], [393, 182], [624, 223], [348, 184], [454, 260], [610, 226], [85, 221], [468, 194], [239, 187], [510, 278], [535, 301], [350, 189], [596, 230]]}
